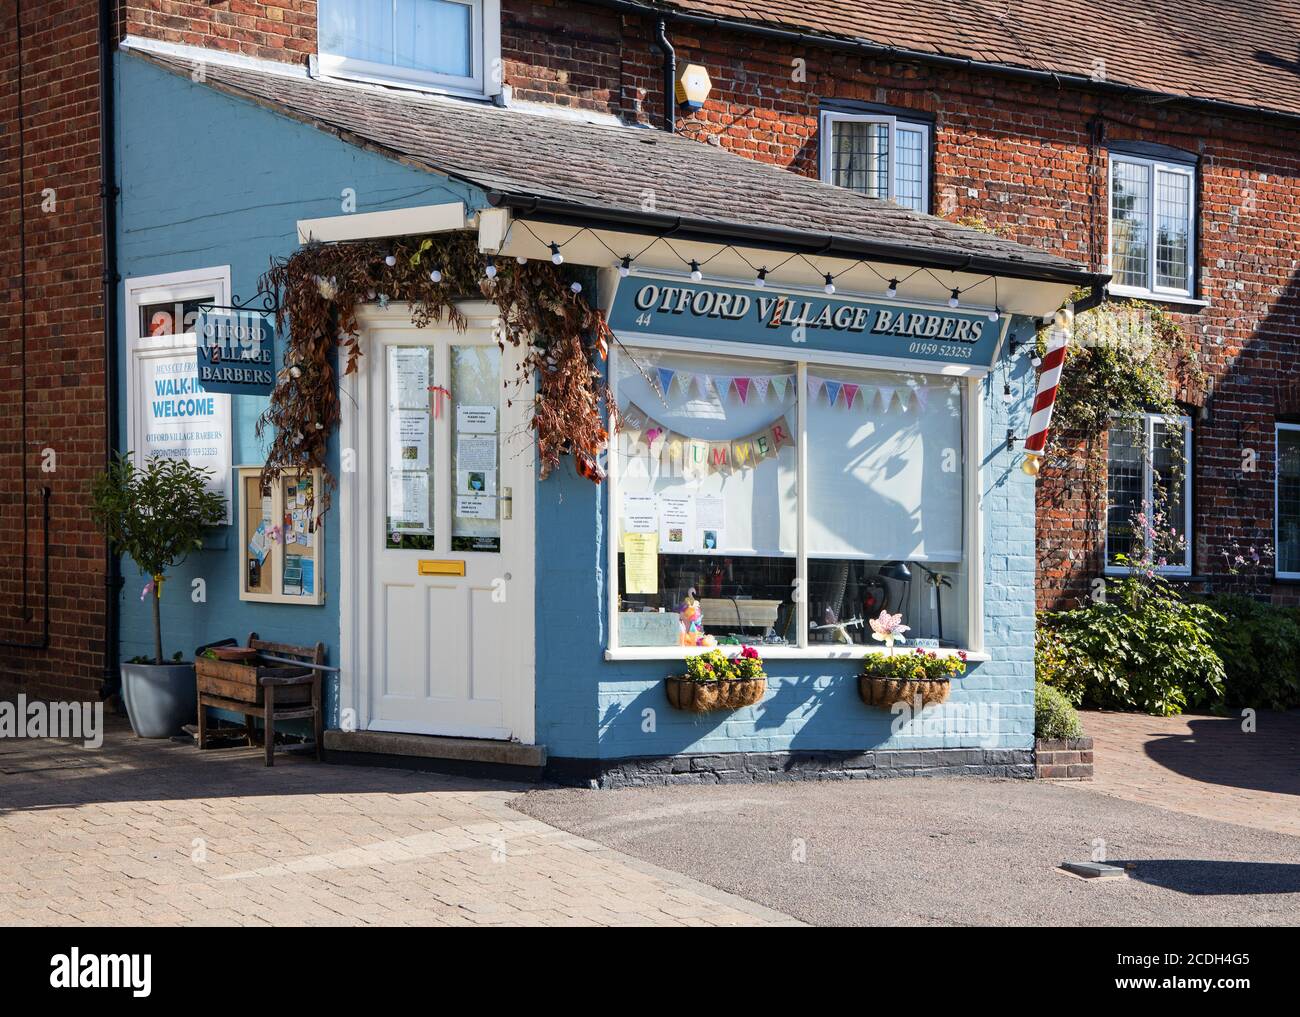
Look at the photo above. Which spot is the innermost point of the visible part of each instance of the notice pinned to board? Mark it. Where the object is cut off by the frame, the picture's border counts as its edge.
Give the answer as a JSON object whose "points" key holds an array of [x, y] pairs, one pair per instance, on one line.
{"points": [[641, 562]]}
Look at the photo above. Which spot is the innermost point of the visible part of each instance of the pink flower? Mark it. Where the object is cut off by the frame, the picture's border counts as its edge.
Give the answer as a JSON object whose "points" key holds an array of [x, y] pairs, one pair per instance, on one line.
{"points": [[961, 655], [750, 652]]}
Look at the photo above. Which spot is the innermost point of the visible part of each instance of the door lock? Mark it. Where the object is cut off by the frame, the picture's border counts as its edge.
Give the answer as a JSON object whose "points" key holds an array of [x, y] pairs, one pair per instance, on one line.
{"points": [[507, 502]]}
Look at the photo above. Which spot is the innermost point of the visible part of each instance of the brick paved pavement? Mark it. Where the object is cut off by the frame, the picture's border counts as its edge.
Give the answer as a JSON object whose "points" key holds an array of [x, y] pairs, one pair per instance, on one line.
{"points": [[156, 833], [1202, 765]]}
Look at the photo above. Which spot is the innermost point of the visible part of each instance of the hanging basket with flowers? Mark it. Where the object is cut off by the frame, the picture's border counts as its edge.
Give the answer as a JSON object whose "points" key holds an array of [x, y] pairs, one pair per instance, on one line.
{"points": [[714, 682], [888, 678]]}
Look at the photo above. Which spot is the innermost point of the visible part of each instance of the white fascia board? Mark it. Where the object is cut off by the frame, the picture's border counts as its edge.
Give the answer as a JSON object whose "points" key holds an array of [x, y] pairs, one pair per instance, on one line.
{"points": [[398, 222]]}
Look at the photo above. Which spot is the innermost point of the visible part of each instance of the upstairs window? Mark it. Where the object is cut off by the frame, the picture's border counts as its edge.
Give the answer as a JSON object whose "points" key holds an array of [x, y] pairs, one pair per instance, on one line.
{"points": [[1152, 226], [877, 155], [442, 43]]}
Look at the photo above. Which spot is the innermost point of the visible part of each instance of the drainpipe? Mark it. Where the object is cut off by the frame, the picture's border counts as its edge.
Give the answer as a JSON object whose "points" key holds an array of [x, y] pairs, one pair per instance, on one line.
{"points": [[108, 204], [670, 75]]}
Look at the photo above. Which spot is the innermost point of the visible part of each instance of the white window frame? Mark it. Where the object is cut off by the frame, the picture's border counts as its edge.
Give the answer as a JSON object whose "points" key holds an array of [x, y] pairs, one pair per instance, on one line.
{"points": [[972, 524], [485, 78], [1149, 421], [830, 117], [171, 287], [1155, 166], [1278, 428]]}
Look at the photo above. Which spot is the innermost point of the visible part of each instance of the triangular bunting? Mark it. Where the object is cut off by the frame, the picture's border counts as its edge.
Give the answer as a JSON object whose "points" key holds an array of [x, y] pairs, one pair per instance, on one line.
{"points": [[815, 385], [922, 396], [722, 383], [761, 383], [886, 396], [778, 384], [742, 389], [833, 391], [665, 380], [850, 393]]}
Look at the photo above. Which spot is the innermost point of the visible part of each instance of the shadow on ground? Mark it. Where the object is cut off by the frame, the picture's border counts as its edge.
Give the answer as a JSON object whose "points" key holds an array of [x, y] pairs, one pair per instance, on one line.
{"points": [[1201, 876], [1218, 751]]}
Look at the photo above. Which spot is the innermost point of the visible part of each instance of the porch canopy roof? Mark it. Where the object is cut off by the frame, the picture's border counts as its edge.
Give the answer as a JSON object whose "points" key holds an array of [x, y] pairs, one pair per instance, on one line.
{"points": [[558, 174]]}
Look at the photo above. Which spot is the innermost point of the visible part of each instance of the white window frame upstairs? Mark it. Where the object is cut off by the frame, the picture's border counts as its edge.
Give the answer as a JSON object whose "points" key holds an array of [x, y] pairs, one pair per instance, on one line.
{"points": [[1278, 428], [485, 78], [1149, 420], [1155, 167], [829, 117]]}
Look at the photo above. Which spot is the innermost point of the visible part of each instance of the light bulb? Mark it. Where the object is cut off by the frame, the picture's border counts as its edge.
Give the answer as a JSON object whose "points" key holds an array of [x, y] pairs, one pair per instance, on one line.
{"points": [[993, 314], [521, 259], [556, 257], [295, 371], [391, 260], [761, 280], [696, 274], [625, 266], [1006, 393], [830, 284], [892, 291], [436, 275], [491, 270], [576, 287], [952, 300], [1036, 360], [1063, 317]]}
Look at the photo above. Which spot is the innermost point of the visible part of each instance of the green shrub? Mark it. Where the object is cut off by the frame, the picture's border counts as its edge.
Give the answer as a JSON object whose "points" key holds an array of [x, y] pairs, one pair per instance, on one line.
{"points": [[1143, 648], [1260, 648], [1054, 715]]}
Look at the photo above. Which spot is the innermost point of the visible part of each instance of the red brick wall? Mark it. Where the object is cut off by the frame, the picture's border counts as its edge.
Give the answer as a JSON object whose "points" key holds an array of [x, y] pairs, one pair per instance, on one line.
{"points": [[63, 359], [1030, 159], [270, 30]]}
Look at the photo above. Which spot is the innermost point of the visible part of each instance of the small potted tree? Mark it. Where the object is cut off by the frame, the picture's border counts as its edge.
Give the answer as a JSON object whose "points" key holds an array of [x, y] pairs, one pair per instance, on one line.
{"points": [[156, 514]]}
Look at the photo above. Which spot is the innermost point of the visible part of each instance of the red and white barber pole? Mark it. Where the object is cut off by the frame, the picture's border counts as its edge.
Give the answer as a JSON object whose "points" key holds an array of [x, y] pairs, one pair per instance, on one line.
{"points": [[1049, 378]]}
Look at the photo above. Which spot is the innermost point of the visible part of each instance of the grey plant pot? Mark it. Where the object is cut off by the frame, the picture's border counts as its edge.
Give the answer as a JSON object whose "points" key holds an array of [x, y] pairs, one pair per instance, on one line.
{"points": [[160, 698]]}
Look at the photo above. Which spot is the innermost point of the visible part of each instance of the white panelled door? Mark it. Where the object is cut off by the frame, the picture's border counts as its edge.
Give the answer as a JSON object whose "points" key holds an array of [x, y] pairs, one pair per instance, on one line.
{"points": [[446, 633]]}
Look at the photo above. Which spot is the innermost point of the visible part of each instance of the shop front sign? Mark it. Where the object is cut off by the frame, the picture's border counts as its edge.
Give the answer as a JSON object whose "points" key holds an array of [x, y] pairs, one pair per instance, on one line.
{"points": [[236, 352], [885, 328]]}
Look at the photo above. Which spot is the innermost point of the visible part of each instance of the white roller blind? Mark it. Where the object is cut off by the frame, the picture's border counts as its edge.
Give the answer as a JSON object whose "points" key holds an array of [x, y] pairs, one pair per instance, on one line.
{"points": [[884, 473], [759, 503]]}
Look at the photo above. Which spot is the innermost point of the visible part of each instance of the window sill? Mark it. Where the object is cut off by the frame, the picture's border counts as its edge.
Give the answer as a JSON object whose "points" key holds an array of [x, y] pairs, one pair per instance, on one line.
{"points": [[1173, 299], [1179, 576], [780, 652], [331, 69]]}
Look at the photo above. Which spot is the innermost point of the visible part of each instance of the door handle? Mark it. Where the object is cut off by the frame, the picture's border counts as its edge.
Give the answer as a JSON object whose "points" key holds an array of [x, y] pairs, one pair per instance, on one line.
{"points": [[507, 502]]}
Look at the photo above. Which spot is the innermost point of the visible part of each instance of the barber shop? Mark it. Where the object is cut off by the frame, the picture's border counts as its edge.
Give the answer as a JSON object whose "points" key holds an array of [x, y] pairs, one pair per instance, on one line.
{"points": [[726, 485]]}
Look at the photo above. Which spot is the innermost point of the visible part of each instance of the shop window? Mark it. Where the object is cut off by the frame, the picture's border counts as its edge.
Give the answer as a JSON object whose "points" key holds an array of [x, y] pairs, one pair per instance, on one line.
{"points": [[1149, 505], [1287, 513], [1152, 225], [707, 489], [439, 43], [708, 513], [876, 155], [885, 509]]}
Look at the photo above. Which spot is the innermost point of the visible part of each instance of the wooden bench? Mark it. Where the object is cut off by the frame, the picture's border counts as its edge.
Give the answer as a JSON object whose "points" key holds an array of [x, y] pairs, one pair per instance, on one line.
{"points": [[270, 690]]}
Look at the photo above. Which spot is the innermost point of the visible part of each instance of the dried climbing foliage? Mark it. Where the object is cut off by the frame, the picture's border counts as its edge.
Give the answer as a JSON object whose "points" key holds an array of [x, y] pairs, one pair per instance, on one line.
{"points": [[321, 286]]}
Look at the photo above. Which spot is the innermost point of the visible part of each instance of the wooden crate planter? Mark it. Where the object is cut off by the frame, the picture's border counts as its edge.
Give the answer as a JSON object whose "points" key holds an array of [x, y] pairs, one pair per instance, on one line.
{"points": [[722, 694], [885, 692], [270, 690]]}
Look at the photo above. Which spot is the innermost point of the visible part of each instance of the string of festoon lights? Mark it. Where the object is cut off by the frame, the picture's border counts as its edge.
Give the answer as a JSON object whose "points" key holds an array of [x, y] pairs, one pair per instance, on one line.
{"points": [[626, 262]]}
